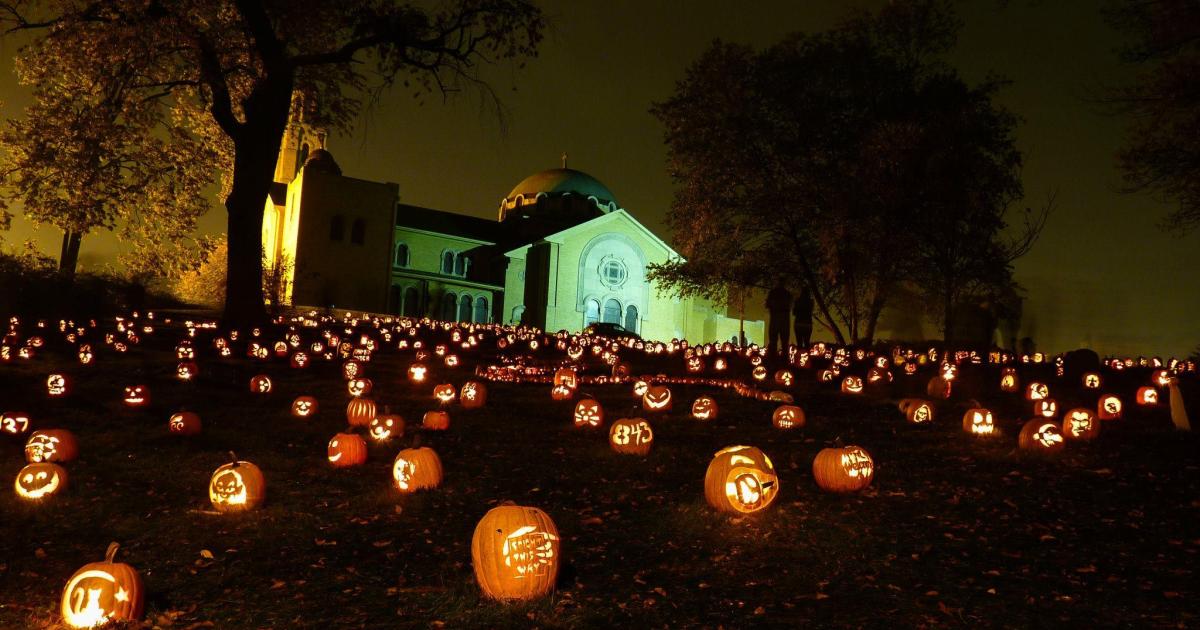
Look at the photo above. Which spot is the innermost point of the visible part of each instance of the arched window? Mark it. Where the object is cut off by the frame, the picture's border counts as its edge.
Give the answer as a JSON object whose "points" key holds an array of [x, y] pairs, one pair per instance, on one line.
{"points": [[449, 304], [464, 309], [400, 259], [412, 304], [481, 311], [358, 232], [337, 228], [631, 318], [612, 312], [447, 262], [518, 313], [461, 262], [591, 312]]}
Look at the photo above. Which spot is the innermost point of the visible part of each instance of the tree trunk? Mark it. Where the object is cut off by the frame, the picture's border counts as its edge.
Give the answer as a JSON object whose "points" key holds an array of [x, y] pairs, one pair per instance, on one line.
{"points": [[68, 257], [948, 320], [256, 149]]}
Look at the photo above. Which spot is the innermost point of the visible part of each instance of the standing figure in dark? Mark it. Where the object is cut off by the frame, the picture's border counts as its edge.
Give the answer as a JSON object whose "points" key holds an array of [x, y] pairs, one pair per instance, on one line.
{"points": [[803, 312], [779, 305]]}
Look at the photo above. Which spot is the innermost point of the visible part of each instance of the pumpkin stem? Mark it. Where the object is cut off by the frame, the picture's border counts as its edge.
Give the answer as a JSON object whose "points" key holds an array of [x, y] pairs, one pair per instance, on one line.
{"points": [[233, 458], [112, 551]]}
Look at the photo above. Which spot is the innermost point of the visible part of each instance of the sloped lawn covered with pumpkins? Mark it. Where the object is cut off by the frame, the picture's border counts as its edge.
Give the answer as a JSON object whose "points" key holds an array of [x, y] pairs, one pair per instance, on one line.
{"points": [[954, 528]]}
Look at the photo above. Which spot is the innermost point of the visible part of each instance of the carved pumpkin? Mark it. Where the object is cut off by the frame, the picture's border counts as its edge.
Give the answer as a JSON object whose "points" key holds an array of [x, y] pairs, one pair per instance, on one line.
{"points": [[588, 413], [657, 398], [57, 386], [260, 384], [916, 410], [51, 445], [386, 426], [347, 449], [14, 422], [1040, 435], [788, 417], [360, 412], [740, 479], [1080, 424], [979, 421], [561, 392], [1147, 396], [1091, 380], [445, 393], [305, 407], [473, 395], [566, 376], [38, 481], [136, 396], [417, 372], [1009, 382], [1036, 391], [938, 387], [236, 486], [436, 420], [416, 469], [1109, 407], [1046, 408], [359, 386], [784, 378], [515, 552], [101, 592], [705, 408], [184, 423], [845, 469], [186, 370], [631, 436]]}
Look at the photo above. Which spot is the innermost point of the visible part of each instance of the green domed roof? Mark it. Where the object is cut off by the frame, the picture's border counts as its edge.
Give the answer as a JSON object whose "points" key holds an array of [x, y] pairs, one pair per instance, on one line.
{"points": [[562, 180]]}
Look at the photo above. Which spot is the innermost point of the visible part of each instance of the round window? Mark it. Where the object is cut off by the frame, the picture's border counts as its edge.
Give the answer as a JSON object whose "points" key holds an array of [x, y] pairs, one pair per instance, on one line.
{"points": [[613, 272]]}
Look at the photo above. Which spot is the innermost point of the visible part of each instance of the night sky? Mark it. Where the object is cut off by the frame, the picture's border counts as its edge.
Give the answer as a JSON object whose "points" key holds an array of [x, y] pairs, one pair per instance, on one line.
{"points": [[1102, 276]]}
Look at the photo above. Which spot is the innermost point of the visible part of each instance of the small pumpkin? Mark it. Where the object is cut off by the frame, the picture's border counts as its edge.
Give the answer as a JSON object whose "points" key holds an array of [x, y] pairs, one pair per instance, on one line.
{"points": [[1109, 407], [436, 420], [657, 398], [386, 426], [740, 479], [102, 592], [1040, 435], [39, 481], [788, 417], [57, 385], [1146, 396], [184, 423], [51, 445], [515, 551], [14, 422], [305, 407], [347, 449], [136, 396], [588, 413], [939, 387], [360, 412], [844, 469], [852, 385], [473, 395], [916, 410], [979, 421], [416, 469], [445, 393], [359, 386], [260, 384], [1080, 424], [705, 408], [631, 436], [236, 486]]}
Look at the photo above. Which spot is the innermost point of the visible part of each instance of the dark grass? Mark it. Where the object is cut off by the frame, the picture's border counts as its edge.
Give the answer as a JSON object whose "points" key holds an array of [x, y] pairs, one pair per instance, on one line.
{"points": [[954, 530]]}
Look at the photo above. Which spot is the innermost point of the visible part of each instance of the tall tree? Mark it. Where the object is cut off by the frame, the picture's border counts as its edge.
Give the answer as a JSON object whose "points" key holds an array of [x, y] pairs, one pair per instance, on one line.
{"points": [[233, 65], [1161, 153]]}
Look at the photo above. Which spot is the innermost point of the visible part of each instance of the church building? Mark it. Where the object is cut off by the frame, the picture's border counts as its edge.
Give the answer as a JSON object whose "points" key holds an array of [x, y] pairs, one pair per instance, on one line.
{"points": [[561, 255]]}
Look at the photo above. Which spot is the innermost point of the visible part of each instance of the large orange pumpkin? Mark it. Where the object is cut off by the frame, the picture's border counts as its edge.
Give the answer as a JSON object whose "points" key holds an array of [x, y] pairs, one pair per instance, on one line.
{"points": [[788, 417], [473, 395], [845, 469], [588, 413], [1080, 424], [416, 469], [51, 445], [705, 408], [38, 481], [347, 449], [631, 436], [1040, 435], [100, 592], [740, 479], [360, 412], [236, 486], [515, 551]]}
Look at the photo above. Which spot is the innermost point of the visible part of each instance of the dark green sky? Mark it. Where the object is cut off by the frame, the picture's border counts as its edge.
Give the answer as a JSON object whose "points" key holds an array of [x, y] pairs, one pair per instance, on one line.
{"points": [[1102, 275]]}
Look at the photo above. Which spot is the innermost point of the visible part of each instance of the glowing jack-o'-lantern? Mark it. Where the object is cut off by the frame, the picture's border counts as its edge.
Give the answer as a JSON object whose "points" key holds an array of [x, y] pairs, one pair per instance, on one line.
{"points": [[657, 398], [359, 386], [417, 372], [53, 445], [852, 385], [639, 388], [979, 421], [102, 592], [566, 376], [436, 420], [515, 551], [917, 411], [236, 486], [740, 479], [631, 436], [695, 364], [136, 396], [184, 423], [1040, 435], [845, 469], [386, 426], [360, 412], [1080, 424], [705, 408], [1109, 407], [1147, 396], [588, 413], [1046, 408], [299, 360], [473, 395], [14, 422], [759, 373], [38, 481], [1008, 380], [260, 384], [1091, 380], [57, 386], [784, 378], [787, 417], [305, 407], [1160, 378], [186, 370], [561, 392], [1036, 391], [416, 469], [346, 449], [445, 393]]}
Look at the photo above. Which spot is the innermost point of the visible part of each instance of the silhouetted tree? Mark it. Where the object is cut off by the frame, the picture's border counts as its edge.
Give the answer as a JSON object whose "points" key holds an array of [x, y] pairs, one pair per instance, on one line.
{"points": [[233, 66]]}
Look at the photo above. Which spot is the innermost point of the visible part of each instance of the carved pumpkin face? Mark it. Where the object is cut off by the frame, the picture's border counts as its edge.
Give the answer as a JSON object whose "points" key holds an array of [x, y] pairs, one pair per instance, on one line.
{"points": [[186, 370], [979, 421], [304, 407], [785, 378], [260, 384], [878, 375], [445, 393], [55, 445], [588, 413], [1147, 396], [236, 486], [137, 396], [299, 360], [1091, 380], [640, 387], [85, 355], [515, 552], [1036, 391], [852, 385], [351, 369], [704, 408], [14, 422], [1109, 407], [416, 372], [38, 481], [184, 423], [416, 469], [657, 398], [473, 395], [346, 449], [1045, 408], [759, 372], [1161, 378], [1008, 380], [386, 427], [788, 417], [740, 479], [359, 386], [917, 411], [561, 392], [566, 376], [57, 386], [695, 365], [1080, 424], [631, 436], [101, 592], [847, 469], [1040, 435]]}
